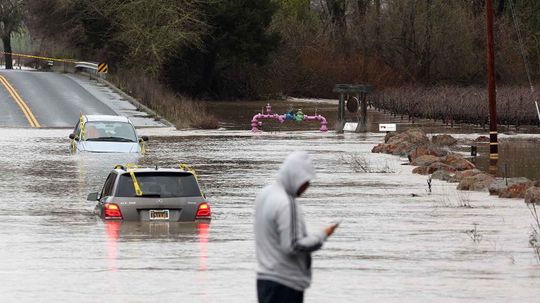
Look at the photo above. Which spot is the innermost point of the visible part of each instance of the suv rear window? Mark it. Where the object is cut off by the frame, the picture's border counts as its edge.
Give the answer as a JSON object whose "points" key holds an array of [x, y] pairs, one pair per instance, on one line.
{"points": [[159, 184]]}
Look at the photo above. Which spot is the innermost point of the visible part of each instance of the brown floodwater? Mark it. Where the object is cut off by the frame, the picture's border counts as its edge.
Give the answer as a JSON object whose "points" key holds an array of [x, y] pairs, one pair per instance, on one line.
{"points": [[519, 153], [397, 242]]}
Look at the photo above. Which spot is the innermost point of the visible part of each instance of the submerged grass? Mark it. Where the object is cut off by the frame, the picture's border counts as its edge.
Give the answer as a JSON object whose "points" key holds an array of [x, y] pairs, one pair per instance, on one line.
{"points": [[474, 234], [359, 164], [461, 199], [534, 237], [180, 110]]}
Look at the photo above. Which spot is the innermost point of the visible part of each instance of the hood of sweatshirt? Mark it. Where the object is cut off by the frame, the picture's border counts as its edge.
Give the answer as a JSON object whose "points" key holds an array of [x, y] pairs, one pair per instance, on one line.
{"points": [[296, 170]]}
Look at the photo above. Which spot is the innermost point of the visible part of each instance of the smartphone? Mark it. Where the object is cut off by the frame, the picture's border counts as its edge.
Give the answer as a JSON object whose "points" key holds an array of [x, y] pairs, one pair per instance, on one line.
{"points": [[338, 222]]}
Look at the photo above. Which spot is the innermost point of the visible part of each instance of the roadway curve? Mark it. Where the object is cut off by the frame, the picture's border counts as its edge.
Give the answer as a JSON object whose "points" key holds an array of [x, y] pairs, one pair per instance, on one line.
{"points": [[54, 99]]}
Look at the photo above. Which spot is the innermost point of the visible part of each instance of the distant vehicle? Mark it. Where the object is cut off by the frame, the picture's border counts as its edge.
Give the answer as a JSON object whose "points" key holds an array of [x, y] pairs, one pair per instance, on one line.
{"points": [[106, 134], [151, 194]]}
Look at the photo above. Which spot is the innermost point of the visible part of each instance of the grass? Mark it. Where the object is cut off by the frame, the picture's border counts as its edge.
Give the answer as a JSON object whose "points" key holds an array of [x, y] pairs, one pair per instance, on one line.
{"points": [[454, 198], [180, 110], [534, 237], [474, 234], [463, 199], [359, 164]]}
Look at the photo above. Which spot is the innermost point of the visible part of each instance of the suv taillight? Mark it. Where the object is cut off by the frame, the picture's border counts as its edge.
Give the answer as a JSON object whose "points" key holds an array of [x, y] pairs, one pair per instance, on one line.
{"points": [[112, 211], [203, 212]]}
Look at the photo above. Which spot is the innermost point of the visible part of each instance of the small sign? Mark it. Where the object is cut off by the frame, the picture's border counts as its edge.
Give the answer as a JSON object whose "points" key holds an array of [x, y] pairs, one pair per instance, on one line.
{"points": [[350, 126], [103, 68], [391, 127]]}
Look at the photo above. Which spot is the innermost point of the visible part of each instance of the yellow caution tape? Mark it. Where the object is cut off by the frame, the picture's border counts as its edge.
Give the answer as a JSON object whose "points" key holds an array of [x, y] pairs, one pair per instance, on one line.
{"points": [[39, 57], [81, 122], [129, 167], [188, 168], [143, 149], [138, 190]]}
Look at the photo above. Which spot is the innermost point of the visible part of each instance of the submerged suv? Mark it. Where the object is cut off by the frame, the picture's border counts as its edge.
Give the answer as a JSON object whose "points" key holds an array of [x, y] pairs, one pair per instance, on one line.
{"points": [[151, 194], [106, 134]]}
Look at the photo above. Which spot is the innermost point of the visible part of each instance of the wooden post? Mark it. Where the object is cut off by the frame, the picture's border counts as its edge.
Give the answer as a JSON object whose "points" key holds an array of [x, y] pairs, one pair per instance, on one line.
{"points": [[364, 112], [362, 123], [493, 144], [341, 114], [360, 91]]}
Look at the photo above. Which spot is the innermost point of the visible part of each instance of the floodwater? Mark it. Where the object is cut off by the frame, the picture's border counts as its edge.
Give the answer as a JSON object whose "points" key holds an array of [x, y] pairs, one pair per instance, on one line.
{"points": [[397, 241]]}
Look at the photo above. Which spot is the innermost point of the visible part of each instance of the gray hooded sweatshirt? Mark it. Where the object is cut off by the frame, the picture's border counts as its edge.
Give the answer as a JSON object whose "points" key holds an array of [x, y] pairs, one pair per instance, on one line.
{"points": [[283, 245]]}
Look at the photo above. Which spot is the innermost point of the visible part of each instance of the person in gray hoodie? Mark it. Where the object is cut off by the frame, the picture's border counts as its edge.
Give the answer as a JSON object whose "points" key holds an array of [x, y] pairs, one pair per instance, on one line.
{"points": [[283, 245]]}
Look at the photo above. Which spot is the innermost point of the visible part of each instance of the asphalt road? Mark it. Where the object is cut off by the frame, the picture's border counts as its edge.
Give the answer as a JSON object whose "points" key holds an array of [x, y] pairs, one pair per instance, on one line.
{"points": [[55, 100]]}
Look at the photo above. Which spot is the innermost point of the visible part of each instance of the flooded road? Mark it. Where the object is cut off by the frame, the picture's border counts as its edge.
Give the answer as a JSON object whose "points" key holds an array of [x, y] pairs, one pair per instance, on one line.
{"points": [[391, 247]]}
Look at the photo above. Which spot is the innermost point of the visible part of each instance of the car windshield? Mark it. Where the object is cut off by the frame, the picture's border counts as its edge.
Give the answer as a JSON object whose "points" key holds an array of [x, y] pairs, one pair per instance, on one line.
{"points": [[159, 184], [109, 131]]}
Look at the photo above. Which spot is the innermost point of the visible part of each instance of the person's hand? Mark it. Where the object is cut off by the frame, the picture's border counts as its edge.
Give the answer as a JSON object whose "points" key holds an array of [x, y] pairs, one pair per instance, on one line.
{"points": [[329, 230]]}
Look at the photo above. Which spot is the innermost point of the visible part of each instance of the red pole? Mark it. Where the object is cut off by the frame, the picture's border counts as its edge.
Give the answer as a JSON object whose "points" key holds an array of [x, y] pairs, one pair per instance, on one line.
{"points": [[493, 145]]}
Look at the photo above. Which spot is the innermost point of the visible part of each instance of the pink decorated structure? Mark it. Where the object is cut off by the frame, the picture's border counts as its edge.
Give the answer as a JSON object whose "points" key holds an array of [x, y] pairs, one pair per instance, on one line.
{"points": [[256, 121]]}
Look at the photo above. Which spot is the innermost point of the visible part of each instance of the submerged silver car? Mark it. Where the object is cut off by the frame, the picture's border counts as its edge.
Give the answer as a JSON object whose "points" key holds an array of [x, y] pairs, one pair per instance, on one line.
{"points": [[106, 134], [151, 194]]}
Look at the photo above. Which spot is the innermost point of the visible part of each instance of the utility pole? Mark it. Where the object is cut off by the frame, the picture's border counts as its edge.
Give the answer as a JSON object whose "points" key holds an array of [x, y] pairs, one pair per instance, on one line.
{"points": [[493, 145]]}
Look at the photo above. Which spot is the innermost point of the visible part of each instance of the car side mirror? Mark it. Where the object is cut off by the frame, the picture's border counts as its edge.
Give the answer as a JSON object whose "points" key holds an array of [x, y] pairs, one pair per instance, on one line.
{"points": [[72, 136], [92, 197], [144, 138]]}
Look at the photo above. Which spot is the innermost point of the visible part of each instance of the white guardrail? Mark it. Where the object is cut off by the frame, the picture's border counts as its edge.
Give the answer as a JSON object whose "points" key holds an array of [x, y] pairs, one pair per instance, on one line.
{"points": [[89, 67]]}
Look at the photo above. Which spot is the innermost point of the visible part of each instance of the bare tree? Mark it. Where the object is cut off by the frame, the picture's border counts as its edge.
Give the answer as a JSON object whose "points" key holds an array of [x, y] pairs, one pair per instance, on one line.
{"points": [[11, 21]]}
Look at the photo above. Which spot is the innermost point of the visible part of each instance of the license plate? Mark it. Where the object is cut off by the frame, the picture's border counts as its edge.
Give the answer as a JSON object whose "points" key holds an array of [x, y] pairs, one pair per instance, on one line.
{"points": [[162, 214]]}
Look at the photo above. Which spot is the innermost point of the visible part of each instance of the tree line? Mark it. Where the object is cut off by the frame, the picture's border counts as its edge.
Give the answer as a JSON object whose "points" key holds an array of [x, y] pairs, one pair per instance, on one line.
{"points": [[268, 48]]}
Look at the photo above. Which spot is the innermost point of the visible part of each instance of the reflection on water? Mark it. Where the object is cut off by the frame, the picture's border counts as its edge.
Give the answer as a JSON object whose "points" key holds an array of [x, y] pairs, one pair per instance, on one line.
{"points": [[203, 230], [118, 231], [397, 242], [517, 158], [113, 231]]}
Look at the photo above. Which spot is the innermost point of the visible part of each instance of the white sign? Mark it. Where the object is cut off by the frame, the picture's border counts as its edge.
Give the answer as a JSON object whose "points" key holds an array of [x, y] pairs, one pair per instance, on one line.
{"points": [[350, 126], [387, 127]]}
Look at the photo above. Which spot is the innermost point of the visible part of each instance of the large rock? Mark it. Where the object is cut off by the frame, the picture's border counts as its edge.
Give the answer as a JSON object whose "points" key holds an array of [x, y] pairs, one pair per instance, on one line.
{"points": [[478, 182], [443, 140], [384, 148], [414, 136], [440, 166], [388, 136], [425, 160], [515, 190], [400, 148], [423, 150], [482, 139], [532, 195], [421, 170], [458, 162], [379, 148], [459, 175], [442, 175], [402, 143], [500, 184]]}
